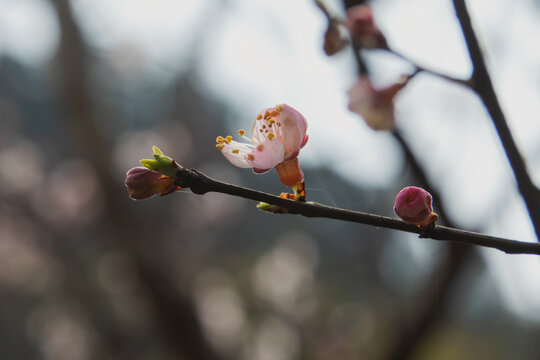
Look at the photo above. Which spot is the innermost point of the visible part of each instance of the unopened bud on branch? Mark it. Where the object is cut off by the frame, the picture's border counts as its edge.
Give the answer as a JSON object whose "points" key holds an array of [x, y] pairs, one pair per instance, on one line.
{"points": [[413, 205], [362, 28], [334, 39], [157, 177], [142, 183]]}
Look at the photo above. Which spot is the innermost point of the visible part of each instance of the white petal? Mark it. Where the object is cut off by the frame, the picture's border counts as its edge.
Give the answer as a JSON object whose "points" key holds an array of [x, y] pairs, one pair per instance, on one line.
{"points": [[237, 158], [257, 132]]}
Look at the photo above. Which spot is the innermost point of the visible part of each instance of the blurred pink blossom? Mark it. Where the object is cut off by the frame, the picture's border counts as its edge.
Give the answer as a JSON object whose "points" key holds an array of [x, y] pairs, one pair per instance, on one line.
{"points": [[362, 28], [334, 39], [375, 106]]}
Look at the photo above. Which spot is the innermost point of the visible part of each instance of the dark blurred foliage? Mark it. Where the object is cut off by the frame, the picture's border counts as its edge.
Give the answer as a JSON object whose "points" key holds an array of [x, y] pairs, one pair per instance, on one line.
{"points": [[87, 273]]}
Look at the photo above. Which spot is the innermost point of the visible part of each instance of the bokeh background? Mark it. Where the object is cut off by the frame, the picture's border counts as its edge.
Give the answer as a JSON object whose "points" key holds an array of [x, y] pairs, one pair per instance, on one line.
{"points": [[88, 86]]}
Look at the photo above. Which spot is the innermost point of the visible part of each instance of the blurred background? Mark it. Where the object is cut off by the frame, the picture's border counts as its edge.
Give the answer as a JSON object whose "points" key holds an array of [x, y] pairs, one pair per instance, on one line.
{"points": [[88, 86]]}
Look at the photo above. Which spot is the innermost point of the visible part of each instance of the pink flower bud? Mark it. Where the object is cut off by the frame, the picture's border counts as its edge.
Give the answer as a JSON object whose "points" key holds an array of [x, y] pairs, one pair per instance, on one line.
{"points": [[334, 40], [362, 27], [413, 205], [142, 183]]}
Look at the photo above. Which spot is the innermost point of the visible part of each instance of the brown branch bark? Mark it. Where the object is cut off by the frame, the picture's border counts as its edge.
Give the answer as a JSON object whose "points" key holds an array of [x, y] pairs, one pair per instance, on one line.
{"points": [[200, 184]]}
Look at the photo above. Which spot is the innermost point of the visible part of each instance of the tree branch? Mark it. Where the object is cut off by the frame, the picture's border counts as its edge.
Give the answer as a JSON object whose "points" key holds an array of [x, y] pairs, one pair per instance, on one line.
{"points": [[200, 184], [482, 85], [418, 69]]}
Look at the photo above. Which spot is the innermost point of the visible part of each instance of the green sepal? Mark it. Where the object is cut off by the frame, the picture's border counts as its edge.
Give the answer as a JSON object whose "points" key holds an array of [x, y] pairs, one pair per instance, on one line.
{"points": [[263, 206], [161, 163]]}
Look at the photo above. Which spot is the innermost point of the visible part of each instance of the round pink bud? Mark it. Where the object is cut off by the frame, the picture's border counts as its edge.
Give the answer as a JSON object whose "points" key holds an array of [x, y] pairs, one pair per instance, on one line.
{"points": [[413, 205]]}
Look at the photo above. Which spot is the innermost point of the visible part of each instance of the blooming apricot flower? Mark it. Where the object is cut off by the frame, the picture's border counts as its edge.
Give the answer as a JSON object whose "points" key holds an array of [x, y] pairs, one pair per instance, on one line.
{"points": [[413, 205], [277, 135], [375, 106], [362, 28]]}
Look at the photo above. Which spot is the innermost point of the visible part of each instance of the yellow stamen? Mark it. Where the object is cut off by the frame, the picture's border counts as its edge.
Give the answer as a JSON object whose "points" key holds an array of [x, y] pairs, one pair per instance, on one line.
{"points": [[228, 139], [220, 139], [220, 146], [235, 151], [271, 136], [271, 121], [280, 107], [241, 132]]}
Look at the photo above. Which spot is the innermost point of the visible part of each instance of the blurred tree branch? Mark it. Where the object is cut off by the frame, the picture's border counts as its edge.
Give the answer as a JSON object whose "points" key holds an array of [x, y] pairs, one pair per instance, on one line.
{"points": [[418, 69], [483, 86], [174, 312]]}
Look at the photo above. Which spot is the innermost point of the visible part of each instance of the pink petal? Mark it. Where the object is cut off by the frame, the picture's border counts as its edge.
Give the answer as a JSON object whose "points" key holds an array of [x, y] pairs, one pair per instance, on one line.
{"points": [[304, 141], [377, 108], [266, 155], [293, 128], [260, 171], [361, 96]]}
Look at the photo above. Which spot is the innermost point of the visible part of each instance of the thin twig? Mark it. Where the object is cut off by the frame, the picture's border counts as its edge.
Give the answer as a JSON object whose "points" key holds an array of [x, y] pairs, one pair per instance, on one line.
{"points": [[483, 86], [324, 9], [467, 83], [200, 183], [363, 68]]}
